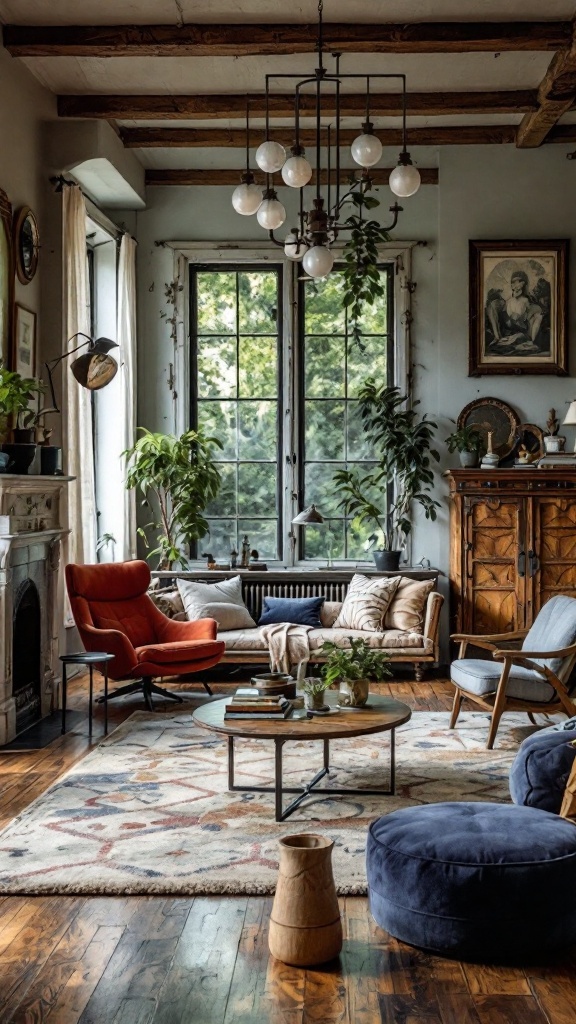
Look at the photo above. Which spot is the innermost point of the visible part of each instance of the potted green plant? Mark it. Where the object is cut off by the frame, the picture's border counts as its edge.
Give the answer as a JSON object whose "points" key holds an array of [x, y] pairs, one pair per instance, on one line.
{"points": [[16, 393], [353, 668], [468, 442], [178, 479], [314, 688], [401, 446]]}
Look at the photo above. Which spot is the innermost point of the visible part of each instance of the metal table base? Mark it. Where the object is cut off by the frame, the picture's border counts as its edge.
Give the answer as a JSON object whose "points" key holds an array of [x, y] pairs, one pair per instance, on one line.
{"points": [[281, 812]]}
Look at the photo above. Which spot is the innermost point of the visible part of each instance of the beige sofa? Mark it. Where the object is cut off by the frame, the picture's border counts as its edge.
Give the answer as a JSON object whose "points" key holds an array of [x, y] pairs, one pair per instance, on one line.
{"points": [[247, 646]]}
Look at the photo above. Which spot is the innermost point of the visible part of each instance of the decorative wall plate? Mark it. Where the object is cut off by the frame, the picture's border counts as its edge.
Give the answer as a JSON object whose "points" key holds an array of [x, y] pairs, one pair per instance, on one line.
{"points": [[26, 244], [486, 414]]}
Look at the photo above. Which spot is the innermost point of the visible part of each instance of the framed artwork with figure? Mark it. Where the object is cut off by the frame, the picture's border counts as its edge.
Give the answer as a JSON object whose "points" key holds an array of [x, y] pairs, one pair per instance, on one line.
{"points": [[518, 307]]}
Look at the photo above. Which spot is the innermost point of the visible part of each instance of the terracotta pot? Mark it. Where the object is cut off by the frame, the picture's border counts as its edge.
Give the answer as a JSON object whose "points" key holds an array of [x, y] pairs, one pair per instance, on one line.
{"points": [[353, 692], [305, 926]]}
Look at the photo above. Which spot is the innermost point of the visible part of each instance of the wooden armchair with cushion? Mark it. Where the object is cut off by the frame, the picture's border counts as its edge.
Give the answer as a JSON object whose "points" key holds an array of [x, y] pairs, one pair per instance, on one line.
{"points": [[532, 679], [113, 613]]}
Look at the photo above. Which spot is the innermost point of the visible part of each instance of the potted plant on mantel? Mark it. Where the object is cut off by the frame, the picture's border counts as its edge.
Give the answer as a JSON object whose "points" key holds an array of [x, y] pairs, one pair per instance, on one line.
{"points": [[468, 443], [401, 443], [16, 393], [353, 669], [178, 479]]}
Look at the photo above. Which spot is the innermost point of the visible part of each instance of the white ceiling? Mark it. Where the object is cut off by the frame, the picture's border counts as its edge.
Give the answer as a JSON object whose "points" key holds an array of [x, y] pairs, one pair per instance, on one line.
{"points": [[172, 12]]}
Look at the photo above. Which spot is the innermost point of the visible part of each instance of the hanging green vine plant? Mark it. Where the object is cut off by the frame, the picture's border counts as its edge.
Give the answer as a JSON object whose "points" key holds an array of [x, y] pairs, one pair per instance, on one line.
{"points": [[362, 282]]}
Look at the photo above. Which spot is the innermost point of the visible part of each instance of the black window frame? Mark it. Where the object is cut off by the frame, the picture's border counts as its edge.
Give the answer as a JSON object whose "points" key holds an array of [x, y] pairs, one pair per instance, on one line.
{"points": [[238, 268]]}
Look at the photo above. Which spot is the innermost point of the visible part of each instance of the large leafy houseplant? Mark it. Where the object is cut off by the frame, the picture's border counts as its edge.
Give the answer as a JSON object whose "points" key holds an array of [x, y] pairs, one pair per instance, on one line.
{"points": [[16, 393], [353, 668], [178, 478], [401, 445], [362, 280]]}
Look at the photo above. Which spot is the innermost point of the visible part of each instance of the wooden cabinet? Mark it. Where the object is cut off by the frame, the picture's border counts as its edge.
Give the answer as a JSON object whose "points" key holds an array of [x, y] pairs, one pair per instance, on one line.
{"points": [[512, 545]]}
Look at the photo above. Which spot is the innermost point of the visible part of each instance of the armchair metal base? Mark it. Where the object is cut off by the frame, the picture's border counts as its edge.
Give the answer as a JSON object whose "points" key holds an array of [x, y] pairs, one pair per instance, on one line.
{"points": [[147, 687]]}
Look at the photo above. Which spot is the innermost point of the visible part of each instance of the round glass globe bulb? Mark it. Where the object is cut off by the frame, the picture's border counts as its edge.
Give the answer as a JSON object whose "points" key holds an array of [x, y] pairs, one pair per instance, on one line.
{"points": [[318, 261], [296, 172], [271, 214], [291, 248], [270, 156], [366, 150], [246, 198], [404, 180]]}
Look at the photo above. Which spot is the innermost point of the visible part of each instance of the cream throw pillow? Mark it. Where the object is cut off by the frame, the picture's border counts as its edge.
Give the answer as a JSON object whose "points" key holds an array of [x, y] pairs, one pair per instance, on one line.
{"points": [[366, 603], [406, 612], [221, 601]]}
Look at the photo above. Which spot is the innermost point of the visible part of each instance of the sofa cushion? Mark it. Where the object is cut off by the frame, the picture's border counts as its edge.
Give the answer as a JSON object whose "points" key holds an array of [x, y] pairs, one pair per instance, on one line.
{"points": [[406, 610], [481, 677], [177, 652], [366, 603], [302, 611], [243, 639], [168, 602], [221, 601], [329, 612], [391, 639]]}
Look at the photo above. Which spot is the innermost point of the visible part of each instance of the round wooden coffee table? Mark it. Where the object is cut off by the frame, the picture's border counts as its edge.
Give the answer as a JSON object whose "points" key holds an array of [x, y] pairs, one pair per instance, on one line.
{"points": [[383, 715]]}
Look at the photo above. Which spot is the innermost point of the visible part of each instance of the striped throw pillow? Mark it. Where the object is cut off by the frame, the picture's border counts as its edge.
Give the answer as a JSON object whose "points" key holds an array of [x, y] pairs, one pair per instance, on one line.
{"points": [[366, 603]]}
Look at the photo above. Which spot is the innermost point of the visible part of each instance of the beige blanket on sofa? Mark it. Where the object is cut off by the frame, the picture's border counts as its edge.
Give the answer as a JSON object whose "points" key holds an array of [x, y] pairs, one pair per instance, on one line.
{"points": [[287, 643]]}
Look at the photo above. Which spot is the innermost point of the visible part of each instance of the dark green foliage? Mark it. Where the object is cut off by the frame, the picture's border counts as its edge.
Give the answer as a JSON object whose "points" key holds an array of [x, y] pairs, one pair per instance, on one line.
{"points": [[359, 662], [401, 445], [177, 478], [16, 393], [362, 281], [466, 439]]}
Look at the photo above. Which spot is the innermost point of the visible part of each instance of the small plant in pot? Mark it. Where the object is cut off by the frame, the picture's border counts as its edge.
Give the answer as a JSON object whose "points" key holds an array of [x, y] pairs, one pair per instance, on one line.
{"points": [[16, 393], [467, 441], [313, 689], [401, 445], [353, 669]]}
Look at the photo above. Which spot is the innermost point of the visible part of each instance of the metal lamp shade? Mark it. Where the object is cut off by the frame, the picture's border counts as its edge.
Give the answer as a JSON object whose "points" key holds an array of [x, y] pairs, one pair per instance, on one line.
{"points": [[95, 368], [308, 517]]}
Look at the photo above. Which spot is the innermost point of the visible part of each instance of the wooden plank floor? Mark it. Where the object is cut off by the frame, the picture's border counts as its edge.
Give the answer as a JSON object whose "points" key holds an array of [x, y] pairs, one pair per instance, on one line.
{"points": [[204, 960]]}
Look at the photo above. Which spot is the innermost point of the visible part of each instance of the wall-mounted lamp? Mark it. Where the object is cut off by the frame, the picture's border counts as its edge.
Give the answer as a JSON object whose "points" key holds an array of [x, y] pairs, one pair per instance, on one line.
{"points": [[312, 517], [93, 370]]}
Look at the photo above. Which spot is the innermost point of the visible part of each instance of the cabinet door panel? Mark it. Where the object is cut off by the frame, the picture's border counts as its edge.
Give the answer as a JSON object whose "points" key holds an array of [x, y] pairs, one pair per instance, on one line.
{"points": [[552, 569], [495, 588]]}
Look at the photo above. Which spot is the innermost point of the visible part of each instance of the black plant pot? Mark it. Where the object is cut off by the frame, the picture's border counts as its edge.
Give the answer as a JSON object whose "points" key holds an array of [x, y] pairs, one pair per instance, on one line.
{"points": [[21, 457], [50, 460], [387, 561], [24, 435]]}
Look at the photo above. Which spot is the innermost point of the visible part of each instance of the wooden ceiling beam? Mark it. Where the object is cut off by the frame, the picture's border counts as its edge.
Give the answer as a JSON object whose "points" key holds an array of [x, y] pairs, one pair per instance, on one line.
{"points": [[556, 95], [205, 176], [220, 106], [243, 40], [235, 138]]}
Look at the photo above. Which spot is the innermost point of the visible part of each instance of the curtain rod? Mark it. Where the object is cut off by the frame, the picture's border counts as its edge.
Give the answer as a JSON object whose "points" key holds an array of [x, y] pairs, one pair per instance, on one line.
{"points": [[94, 211]]}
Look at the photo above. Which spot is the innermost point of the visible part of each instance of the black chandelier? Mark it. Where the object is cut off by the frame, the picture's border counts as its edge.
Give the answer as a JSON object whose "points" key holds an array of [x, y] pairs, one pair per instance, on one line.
{"points": [[319, 227]]}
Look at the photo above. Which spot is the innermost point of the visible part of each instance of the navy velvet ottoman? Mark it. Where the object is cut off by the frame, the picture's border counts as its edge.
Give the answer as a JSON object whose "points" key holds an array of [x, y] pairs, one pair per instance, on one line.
{"points": [[541, 768], [482, 881]]}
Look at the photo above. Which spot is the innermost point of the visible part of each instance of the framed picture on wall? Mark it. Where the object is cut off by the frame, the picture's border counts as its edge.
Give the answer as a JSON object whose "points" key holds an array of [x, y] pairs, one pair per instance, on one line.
{"points": [[518, 307], [24, 360]]}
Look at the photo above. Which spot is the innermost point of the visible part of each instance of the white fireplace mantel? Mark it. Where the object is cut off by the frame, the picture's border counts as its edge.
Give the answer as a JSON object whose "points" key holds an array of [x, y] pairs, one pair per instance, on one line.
{"points": [[32, 524]]}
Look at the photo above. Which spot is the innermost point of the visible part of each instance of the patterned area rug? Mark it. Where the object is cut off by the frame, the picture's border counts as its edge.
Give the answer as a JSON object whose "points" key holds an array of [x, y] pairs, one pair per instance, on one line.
{"points": [[148, 810]]}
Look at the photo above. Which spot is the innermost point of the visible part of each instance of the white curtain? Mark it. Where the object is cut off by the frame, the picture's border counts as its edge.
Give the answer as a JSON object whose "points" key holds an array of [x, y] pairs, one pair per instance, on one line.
{"points": [[77, 423], [126, 338]]}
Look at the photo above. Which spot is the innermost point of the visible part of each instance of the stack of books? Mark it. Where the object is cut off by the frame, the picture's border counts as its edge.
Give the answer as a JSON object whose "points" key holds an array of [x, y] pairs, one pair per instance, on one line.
{"points": [[246, 703]]}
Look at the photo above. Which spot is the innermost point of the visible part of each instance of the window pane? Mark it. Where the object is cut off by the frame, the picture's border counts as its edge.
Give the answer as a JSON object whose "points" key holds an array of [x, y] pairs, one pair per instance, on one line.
{"points": [[218, 419], [320, 489], [258, 433], [257, 489], [257, 302], [324, 367], [324, 313], [258, 367], [236, 389], [372, 355], [262, 535], [318, 540], [216, 360], [220, 539], [216, 303], [358, 446], [325, 430]]}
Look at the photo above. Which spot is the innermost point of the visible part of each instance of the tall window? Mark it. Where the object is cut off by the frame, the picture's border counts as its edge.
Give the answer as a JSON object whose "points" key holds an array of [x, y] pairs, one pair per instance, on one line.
{"points": [[335, 365], [236, 387], [283, 440]]}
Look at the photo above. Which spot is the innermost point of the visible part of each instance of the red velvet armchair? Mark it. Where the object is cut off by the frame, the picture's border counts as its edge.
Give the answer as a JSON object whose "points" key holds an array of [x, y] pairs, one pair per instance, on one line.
{"points": [[113, 613]]}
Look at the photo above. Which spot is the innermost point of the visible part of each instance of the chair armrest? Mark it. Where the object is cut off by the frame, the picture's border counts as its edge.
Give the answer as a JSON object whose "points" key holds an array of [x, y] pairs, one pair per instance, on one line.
{"points": [[172, 631], [492, 638], [563, 652], [113, 642]]}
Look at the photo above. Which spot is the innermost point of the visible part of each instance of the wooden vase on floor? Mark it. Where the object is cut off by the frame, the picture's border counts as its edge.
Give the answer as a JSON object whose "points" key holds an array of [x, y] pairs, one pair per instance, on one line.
{"points": [[305, 926]]}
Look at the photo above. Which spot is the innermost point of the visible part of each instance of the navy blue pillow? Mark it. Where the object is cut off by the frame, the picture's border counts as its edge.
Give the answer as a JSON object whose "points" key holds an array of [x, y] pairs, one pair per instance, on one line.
{"points": [[303, 611]]}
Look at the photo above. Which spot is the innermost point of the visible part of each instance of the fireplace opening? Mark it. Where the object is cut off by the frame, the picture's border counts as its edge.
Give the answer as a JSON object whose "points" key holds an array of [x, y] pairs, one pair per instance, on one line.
{"points": [[26, 656]]}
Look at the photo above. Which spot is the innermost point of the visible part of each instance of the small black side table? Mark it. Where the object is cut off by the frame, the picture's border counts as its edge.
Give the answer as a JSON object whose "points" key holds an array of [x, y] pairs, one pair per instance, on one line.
{"points": [[89, 658]]}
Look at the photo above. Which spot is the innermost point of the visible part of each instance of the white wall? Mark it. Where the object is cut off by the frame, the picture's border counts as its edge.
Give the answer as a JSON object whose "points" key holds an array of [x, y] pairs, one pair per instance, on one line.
{"points": [[484, 192]]}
